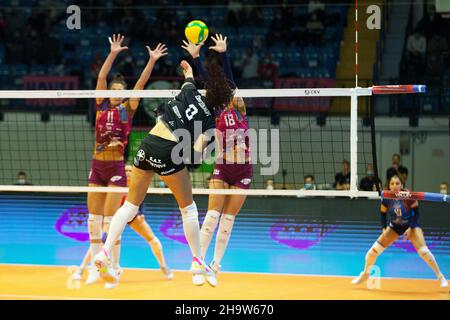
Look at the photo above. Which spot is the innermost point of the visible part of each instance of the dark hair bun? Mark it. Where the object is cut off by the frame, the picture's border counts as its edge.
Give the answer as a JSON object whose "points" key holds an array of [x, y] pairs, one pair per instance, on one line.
{"points": [[118, 77]]}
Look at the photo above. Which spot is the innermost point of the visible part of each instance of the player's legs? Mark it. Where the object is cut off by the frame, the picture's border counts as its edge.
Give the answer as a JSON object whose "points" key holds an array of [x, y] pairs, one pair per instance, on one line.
{"points": [[180, 185], [96, 202], [232, 206], [86, 260], [142, 228], [112, 204], [418, 240], [140, 181], [215, 207], [387, 238]]}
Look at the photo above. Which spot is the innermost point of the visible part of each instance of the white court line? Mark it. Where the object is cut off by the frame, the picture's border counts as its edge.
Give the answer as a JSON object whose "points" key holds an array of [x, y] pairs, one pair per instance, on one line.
{"points": [[230, 272]]}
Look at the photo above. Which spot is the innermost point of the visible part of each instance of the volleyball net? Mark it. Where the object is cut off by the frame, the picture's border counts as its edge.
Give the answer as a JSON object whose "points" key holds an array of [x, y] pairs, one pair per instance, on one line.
{"points": [[295, 136]]}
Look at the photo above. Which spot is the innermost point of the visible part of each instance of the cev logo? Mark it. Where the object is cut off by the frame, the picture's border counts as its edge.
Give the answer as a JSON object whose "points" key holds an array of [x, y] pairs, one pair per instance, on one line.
{"points": [[312, 92]]}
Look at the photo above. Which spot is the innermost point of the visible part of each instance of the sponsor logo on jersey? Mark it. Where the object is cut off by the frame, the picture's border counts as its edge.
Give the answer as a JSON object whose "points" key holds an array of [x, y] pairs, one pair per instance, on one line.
{"points": [[398, 209], [115, 178], [202, 105], [176, 111], [166, 172], [216, 172], [154, 160], [157, 163], [140, 155], [246, 181]]}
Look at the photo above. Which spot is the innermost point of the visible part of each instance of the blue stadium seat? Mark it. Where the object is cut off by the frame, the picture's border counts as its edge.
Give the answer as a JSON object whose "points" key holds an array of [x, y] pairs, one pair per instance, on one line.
{"points": [[19, 69], [2, 53], [300, 10], [268, 14], [305, 73], [40, 69], [5, 70], [200, 13]]}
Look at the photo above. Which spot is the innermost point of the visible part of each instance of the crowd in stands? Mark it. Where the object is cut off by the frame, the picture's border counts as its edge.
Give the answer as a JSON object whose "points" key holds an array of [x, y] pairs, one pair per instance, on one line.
{"points": [[427, 49], [370, 182], [265, 41]]}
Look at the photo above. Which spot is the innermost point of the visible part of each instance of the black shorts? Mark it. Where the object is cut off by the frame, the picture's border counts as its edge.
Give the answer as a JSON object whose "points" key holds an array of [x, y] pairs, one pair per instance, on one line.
{"points": [[154, 154], [401, 228]]}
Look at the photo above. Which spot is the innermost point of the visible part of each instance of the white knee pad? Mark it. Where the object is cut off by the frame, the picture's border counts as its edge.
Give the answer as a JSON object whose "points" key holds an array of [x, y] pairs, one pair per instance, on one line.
{"points": [[211, 221], [95, 226], [128, 211], [156, 244], [106, 223], [226, 223], [190, 213], [424, 251], [376, 249]]}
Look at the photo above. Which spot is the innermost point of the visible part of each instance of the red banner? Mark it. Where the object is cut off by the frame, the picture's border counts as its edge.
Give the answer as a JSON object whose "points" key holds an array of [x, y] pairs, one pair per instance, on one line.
{"points": [[50, 83], [300, 104]]}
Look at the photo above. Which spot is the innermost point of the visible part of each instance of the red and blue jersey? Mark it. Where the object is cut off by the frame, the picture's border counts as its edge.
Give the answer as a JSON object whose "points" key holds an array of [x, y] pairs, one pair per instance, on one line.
{"points": [[233, 139], [400, 212], [112, 126]]}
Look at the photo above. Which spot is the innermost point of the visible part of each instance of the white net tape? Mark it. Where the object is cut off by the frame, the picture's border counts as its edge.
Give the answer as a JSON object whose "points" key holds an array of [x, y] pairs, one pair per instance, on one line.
{"points": [[246, 93]]}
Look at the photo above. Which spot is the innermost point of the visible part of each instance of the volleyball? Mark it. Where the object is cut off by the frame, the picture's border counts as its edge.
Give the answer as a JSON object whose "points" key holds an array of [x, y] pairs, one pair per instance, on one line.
{"points": [[196, 31]]}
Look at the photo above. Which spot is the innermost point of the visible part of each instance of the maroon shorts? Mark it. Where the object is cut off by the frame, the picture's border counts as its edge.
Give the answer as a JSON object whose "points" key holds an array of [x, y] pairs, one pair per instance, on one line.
{"points": [[238, 175], [105, 173]]}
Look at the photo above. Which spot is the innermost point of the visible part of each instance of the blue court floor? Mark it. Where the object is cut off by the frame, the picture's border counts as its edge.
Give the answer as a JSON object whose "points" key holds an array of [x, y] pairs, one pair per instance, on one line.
{"points": [[53, 231]]}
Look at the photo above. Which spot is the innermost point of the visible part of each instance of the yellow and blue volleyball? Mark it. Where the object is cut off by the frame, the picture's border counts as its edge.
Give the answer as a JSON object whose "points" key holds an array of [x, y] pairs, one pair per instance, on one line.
{"points": [[196, 31]]}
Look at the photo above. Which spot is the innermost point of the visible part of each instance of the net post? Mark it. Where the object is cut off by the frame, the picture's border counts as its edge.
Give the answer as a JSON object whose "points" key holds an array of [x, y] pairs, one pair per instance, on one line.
{"points": [[354, 143]]}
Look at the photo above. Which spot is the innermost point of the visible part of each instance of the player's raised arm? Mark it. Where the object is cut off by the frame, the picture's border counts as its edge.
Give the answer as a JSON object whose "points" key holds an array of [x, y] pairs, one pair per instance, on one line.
{"points": [[239, 104], [192, 48], [116, 48], [221, 47], [188, 75], [154, 56], [194, 52]]}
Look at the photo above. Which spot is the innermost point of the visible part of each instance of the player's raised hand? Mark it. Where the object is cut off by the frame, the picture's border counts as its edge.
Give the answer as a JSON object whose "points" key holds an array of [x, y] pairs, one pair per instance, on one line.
{"points": [[160, 51], [187, 69], [220, 43], [116, 43], [192, 48]]}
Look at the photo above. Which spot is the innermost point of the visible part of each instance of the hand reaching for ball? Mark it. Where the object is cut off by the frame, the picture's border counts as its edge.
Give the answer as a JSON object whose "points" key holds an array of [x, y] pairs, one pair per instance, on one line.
{"points": [[192, 48], [220, 43]]}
